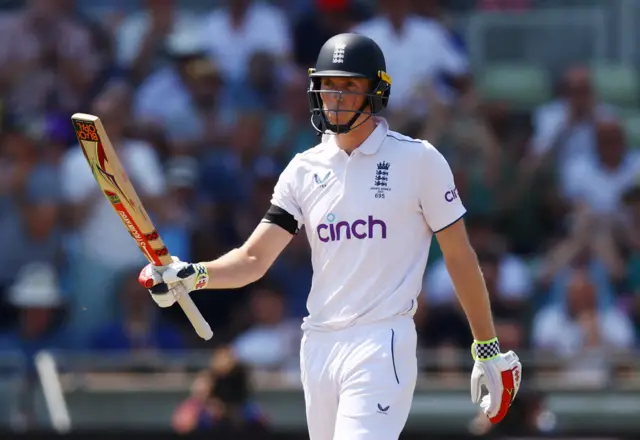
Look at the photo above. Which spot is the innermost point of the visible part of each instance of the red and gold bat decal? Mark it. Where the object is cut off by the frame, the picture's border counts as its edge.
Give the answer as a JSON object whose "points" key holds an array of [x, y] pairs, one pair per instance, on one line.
{"points": [[86, 131]]}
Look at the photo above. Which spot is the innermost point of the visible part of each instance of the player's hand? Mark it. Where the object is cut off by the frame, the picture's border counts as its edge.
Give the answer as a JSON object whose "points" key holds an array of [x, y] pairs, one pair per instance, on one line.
{"points": [[499, 373], [167, 284]]}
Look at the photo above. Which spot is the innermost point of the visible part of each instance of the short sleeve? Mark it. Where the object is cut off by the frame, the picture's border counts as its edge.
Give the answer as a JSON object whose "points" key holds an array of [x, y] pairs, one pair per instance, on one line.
{"points": [[438, 195], [284, 193]]}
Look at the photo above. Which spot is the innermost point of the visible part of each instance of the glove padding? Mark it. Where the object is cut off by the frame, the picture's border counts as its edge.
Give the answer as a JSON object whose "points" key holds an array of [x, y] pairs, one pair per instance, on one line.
{"points": [[500, 374], [167, 284]]}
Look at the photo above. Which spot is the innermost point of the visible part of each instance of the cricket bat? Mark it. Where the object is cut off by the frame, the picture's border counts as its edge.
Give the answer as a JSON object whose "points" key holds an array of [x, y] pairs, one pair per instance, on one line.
{"points": [[119, 191]]}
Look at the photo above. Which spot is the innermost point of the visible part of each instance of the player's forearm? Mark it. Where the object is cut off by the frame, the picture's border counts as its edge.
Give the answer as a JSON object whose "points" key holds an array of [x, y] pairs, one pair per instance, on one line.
{"points": [[233, 270], [472, 294]]}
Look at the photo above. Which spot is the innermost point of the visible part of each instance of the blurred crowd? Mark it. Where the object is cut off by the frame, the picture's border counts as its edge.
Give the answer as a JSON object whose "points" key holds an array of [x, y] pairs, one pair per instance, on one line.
{"points": [[206, 109]]}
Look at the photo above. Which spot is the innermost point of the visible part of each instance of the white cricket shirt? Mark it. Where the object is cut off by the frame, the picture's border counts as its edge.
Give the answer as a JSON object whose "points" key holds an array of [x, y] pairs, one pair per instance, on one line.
{"points": [[369, 218]]}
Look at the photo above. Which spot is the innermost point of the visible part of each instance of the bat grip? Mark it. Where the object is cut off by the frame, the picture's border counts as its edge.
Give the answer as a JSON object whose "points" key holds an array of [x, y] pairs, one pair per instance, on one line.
{"points": [[155, 279], [200, 325]]}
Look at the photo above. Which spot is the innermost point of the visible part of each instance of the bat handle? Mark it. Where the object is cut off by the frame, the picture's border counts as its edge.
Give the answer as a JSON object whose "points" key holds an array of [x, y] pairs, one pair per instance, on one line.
{"points": [[200, 325], [156, 277]]}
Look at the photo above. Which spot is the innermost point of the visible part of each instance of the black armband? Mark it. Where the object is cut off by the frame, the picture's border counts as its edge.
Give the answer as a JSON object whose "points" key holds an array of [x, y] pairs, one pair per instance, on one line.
{"points": [[282, 218]]}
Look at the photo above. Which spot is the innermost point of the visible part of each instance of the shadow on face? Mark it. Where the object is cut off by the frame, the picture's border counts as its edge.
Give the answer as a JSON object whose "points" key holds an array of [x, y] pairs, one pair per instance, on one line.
{"points": [[342, 97]]}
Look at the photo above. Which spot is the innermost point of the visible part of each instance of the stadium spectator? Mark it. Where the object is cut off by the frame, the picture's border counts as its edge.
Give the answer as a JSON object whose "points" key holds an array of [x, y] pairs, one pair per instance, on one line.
{"points": [[404, 37], [141, 37], [583, 328], [48, 60], [230, 36], [271, 341], [565, 127], [30, 206], [186, 99], [324, 19], [37, 296], [599, 182], [221, 402], [137, 327]]}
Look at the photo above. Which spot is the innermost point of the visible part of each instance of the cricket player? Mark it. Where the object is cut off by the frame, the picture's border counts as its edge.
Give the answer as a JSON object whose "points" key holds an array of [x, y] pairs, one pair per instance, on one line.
{"points": [[370, 200]]}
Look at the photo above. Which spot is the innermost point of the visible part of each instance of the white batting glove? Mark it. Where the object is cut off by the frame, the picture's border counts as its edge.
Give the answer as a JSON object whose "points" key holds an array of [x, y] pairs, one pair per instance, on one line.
{"points": [[167, 284], [499, 373]]}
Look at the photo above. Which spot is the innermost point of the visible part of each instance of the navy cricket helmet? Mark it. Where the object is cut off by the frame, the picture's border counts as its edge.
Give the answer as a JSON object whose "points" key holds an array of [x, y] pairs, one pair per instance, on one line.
{"points": [[349, 56]]}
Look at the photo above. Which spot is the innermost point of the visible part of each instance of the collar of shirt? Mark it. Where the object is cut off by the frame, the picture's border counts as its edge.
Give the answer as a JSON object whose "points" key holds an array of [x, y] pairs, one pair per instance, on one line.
{"points": [[371, 144]]}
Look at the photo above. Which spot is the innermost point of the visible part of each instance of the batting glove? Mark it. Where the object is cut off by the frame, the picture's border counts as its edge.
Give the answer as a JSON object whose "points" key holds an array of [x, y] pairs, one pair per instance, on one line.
{"points": [[167, 284], [499, 373]]}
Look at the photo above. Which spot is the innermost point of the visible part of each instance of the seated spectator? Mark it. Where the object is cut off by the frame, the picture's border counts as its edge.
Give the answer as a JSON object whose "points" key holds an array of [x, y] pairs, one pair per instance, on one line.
{"points": [[186, 100], [272, 340], [590, 242], [403, 37], [513, 281], [49, 61], [250, 213], [30, 208], [444, 324], [221, 401], [38, 298], [140, 39], [598, 182], [288, 131], [256, 90], [293, 272], [583, 329], [324, 20], [139, 327], [230, 37], [183, 221], [229, 172], [565, 127]]}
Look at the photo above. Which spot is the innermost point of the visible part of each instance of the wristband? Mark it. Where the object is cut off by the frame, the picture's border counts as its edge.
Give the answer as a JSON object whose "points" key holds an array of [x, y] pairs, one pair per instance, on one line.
{"points": [[201, 275], [485, 350]]}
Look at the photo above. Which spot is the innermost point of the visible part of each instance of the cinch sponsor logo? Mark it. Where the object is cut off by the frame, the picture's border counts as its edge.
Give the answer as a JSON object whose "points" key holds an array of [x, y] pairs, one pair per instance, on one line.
{"points": [[452, 195], [359, 229]]}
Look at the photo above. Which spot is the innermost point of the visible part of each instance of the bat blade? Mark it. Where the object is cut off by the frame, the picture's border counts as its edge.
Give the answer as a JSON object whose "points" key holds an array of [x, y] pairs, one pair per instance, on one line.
{"points": [[117, 188]]}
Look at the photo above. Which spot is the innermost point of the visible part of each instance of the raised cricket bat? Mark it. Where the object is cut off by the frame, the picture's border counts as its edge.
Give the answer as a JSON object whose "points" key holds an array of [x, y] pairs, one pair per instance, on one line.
{"points": [[119, 191]]}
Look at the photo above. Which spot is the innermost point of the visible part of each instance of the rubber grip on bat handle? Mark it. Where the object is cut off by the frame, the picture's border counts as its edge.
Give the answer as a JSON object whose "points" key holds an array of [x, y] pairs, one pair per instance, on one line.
{"points": [[200, 325]]}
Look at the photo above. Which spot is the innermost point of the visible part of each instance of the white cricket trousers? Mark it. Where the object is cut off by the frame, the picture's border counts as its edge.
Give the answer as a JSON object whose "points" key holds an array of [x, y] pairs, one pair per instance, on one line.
{"points": [[359, 382]]}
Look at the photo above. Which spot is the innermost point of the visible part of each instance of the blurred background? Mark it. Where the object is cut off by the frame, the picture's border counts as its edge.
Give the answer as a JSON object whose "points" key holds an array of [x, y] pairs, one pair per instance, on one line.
{"points": [[535, 103]]}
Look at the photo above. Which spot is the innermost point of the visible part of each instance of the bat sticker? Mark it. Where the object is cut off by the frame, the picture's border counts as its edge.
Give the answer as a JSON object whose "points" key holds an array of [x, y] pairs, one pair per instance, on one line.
{"points": [[113, 197], [86, 131], [153, 235]]}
